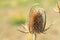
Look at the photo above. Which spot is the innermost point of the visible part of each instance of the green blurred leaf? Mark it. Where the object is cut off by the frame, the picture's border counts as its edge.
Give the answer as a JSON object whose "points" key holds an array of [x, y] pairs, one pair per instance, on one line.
{"points": [[14, 20]]}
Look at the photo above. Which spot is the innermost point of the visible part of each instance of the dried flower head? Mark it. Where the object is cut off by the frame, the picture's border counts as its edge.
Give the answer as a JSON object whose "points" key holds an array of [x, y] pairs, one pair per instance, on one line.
{"points": [[57, 7], [37, 20]]}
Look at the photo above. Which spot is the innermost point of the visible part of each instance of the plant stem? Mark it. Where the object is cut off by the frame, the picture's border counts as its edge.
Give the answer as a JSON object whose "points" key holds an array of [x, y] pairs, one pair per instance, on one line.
{"points": [[34, 36]]}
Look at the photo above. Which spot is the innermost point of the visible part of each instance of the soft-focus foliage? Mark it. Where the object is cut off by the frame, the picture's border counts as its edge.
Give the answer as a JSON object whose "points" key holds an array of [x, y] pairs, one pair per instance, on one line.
{"points": [[23, 3], [8, 15], [17, 19]]}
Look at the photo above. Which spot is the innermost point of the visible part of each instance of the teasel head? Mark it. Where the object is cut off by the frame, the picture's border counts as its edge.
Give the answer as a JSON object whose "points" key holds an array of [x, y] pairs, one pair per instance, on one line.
{"points": [[37, 20], [58, 6]]}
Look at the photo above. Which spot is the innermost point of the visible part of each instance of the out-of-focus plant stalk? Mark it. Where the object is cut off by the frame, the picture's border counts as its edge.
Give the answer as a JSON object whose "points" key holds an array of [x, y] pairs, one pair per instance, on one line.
{"points": [[58, 5], [31, 36], [34, 36]]}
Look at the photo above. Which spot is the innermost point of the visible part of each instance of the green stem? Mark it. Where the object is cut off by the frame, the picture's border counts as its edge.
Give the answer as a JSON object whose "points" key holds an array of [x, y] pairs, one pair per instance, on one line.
{"points": [[34, 36]]}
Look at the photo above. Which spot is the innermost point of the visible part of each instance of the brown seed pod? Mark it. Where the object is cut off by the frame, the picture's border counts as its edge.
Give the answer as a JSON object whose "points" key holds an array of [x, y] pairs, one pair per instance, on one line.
{"points": [[37, 20]]}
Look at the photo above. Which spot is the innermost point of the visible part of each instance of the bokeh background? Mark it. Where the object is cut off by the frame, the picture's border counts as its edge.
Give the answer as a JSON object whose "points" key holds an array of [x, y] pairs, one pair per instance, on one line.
{"points": [[13, 13]]}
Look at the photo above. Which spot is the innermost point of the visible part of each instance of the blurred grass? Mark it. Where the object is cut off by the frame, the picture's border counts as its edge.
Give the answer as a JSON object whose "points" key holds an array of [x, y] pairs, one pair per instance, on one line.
{"points": [[17, 19], [1, 16], [23, 3], [4, 4], [20, 18]]}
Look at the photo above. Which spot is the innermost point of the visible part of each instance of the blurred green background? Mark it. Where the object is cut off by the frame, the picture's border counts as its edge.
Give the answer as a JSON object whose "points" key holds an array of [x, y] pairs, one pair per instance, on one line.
{"points": [[25, 3], [12, 7], [15, 12]]}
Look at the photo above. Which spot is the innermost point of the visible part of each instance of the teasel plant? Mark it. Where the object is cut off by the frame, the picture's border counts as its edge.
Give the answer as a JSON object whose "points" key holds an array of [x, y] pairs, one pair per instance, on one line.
{"points": [[37, 22], [57, 7]]}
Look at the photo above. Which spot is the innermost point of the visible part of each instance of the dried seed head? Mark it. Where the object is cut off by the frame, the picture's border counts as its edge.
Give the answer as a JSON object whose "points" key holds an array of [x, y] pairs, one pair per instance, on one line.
{"points": [[57, 7], [36, 20]]}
